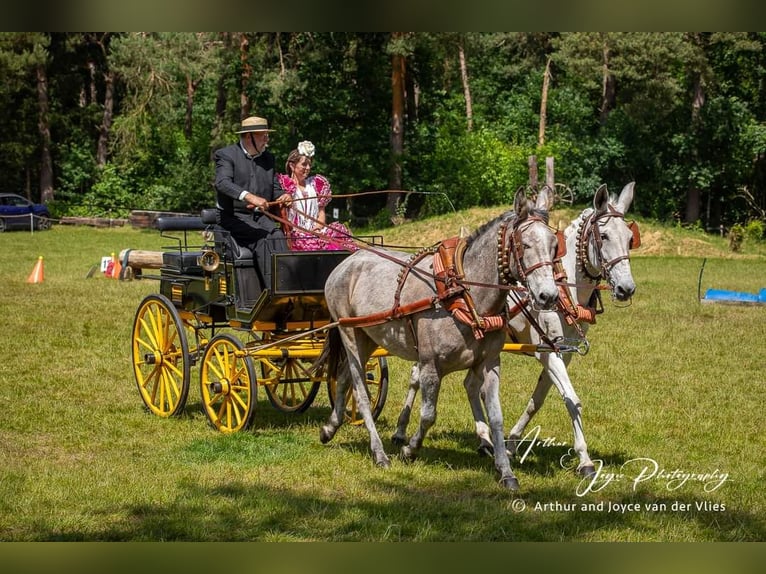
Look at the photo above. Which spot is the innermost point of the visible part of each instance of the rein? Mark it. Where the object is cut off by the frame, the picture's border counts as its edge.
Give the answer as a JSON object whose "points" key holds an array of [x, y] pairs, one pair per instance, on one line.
{"points": [[452, 289]]}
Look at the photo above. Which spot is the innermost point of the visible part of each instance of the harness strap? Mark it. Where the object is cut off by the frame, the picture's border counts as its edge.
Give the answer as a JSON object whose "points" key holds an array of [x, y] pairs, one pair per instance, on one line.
{"points": [[453, 294], [386, 316]]}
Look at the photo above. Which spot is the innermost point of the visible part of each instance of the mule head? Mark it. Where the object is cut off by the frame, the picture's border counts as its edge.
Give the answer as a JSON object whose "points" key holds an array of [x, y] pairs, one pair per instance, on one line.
{"points": [[611, 240], [535, 246]]}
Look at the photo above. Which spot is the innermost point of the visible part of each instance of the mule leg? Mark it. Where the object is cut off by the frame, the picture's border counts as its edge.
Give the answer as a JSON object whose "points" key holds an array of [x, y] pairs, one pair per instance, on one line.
{"points": [[474, 393], [359, 388], [328, 430], [535, 402], [557, 370], [556, 367], [491, 389], [429, 396], [400, 434], [555, 373]]}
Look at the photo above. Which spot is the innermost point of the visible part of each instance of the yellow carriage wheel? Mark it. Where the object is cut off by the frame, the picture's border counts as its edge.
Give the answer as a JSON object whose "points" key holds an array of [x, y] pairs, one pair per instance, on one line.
{"points": [[228, 384], [377, 391], [289, 384], [161, 356]]}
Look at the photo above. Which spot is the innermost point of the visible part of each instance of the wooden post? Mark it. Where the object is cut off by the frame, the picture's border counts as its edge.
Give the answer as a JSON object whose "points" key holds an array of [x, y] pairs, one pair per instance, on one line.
{"points": [[550, 180], [532, 164]]}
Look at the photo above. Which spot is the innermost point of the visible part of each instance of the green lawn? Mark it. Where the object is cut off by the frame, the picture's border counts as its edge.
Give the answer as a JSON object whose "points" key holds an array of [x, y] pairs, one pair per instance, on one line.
{"points": [[670, 385]]}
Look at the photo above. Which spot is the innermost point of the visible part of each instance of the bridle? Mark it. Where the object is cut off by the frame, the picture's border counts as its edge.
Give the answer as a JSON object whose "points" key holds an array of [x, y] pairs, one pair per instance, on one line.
{"points": [[590, 231], [516, 249]]}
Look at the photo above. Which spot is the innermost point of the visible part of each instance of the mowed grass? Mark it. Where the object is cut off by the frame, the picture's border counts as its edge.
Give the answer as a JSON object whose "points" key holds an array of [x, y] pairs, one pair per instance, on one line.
{"points": [[668, 382]]}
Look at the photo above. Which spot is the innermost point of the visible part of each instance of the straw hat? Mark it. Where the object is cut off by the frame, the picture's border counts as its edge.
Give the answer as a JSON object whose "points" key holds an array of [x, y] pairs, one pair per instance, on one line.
{"points": [[254, 124]]}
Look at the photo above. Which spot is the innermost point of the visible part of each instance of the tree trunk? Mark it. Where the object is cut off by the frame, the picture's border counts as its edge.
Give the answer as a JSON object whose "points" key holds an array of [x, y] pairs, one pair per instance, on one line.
{"points": [[607, 87], [544, 104], [466, 87], [693, 193], [46, 163], [191, 87], [102, 146], [247, 70], [92, 86], [397, 131], [220, 102]]}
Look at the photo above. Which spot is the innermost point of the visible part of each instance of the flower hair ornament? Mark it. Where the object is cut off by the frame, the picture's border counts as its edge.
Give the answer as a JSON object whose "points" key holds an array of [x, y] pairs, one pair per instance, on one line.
{"points": [[306, 148]]}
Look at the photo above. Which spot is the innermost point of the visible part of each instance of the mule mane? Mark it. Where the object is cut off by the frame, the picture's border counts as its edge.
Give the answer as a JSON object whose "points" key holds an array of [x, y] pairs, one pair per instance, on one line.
{"points": [[507, 216], [574, 225]]}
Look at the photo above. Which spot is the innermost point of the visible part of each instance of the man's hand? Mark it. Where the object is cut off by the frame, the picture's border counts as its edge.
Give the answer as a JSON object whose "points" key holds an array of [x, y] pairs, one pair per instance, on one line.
{"points": [[255, 202]]}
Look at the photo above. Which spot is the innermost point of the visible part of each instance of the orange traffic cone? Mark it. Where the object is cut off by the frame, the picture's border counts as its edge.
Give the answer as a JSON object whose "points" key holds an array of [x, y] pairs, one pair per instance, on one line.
{"points": [[37, 272], [117, 269]]}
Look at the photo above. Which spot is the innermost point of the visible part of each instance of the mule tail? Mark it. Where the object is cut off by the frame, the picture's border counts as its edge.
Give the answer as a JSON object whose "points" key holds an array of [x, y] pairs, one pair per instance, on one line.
{"points": [[331, 358]]}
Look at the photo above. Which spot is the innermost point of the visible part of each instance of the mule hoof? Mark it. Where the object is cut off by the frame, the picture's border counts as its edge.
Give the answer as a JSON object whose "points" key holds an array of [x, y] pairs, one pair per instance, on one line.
{"points": [[486, 450], [587, 471], [398, 440], [325, 435], [383, 461], [509, 483], [407, 454]]}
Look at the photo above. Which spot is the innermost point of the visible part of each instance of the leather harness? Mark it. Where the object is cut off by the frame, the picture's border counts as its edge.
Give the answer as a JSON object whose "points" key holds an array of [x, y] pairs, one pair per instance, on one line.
{"points": [[451, 291]]}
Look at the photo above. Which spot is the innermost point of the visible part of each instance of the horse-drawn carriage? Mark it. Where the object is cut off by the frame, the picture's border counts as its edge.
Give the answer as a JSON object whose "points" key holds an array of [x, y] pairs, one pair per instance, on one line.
{"points": [[211, 311], [330, 318]]}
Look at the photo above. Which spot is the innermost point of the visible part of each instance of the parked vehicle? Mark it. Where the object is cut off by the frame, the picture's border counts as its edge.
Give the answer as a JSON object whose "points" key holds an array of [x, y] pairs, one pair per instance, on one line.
{"points": [[17, 212]]}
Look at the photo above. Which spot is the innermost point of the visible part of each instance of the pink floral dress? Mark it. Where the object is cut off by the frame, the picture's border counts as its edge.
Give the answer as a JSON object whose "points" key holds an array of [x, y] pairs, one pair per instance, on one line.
{"points": [[304, 212]]}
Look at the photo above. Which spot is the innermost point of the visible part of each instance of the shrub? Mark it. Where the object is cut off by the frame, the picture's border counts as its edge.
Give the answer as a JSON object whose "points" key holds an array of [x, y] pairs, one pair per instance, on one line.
{"points": [[736, 235], [754, 230]]}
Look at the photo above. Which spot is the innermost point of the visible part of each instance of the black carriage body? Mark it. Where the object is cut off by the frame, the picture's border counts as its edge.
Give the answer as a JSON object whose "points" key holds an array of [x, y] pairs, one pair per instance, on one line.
{"points": [[231, 292], [209, 283]]}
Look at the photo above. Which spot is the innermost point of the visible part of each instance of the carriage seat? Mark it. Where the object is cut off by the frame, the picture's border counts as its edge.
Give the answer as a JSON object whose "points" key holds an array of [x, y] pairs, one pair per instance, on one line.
{"points": [[183, 260], [225, 244], [247, 283]]}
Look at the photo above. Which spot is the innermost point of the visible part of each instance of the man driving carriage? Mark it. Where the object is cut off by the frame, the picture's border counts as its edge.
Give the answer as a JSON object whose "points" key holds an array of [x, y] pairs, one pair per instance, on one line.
{"points": [[245, 183]]}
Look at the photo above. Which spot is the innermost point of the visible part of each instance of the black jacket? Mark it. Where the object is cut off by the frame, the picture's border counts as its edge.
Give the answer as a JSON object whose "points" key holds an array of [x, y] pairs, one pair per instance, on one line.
{"points": [[236, 171]]}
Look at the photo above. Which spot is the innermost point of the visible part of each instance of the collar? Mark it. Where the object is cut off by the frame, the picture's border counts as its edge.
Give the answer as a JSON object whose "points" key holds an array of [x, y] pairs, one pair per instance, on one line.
{"points": [[247, 154]]}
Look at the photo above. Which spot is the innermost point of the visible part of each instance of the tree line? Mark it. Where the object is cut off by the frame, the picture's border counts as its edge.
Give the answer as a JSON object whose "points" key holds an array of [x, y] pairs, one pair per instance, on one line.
{"points": [[107, 122]]}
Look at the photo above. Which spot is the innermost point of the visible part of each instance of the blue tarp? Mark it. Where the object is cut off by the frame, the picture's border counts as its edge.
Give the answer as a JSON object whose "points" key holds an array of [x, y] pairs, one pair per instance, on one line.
{"points": [[714, 295]]}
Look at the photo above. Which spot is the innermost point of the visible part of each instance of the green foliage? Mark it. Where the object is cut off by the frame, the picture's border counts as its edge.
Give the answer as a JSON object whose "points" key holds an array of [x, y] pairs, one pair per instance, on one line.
{"points": [[736, 235], [687, 112], [475, 168], [754, 230]]}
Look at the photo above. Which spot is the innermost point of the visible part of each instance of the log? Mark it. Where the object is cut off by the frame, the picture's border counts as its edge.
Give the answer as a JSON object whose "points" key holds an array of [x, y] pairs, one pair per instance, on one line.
{"points": [[138, 259]]}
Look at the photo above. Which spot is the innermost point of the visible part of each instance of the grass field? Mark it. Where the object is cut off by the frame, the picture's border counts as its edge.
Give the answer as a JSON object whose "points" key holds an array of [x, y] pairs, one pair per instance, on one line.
{"points": [[670, 385]]}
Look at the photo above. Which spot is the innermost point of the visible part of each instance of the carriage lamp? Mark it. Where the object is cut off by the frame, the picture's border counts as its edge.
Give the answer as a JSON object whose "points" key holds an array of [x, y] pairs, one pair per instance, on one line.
{"points": [[177, 293], [209, 260]]}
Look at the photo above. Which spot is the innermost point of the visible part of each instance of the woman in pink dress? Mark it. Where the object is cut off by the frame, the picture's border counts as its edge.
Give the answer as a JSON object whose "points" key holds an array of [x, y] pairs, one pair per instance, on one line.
{"points": [[310, 195]]}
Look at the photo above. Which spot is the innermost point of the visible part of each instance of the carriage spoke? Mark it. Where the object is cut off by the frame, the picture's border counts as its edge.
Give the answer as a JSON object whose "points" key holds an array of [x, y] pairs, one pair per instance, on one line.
{"points": [[227, 384]]}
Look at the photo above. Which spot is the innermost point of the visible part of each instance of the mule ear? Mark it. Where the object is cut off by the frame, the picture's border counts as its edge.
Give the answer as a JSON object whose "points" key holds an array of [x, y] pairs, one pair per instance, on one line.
{"points": [[601, 199], [520, 204], [626, 198], [544, 199]]}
